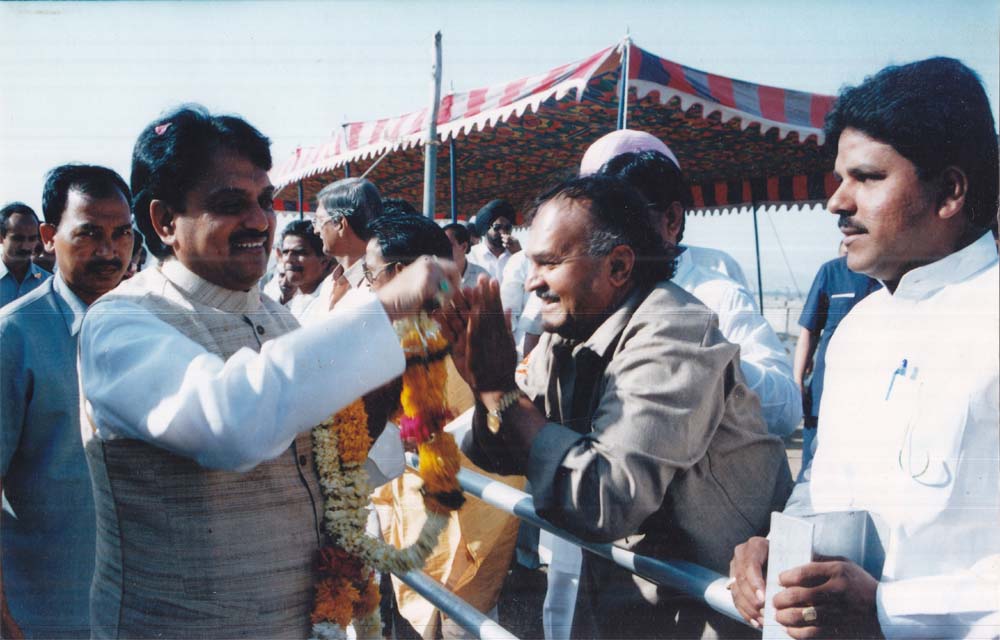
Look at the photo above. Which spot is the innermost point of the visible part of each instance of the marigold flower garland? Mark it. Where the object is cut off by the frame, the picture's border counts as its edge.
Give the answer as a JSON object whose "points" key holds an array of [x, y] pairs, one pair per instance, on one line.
{"points": [[346, 589]]}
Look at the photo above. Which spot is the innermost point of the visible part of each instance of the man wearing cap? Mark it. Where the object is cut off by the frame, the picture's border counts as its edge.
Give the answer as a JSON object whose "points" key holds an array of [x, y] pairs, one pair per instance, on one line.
{"points": [[911, 398], [495, 223], [630, 140]]}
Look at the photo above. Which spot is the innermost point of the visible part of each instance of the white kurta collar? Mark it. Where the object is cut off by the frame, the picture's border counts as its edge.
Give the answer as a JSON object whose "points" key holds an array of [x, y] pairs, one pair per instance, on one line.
{"points": [[923, 281], [203, 291]]}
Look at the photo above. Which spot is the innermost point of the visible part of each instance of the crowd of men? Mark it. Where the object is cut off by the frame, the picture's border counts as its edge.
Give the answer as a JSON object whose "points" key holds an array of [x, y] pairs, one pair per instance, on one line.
{"points": [[149, 423]]}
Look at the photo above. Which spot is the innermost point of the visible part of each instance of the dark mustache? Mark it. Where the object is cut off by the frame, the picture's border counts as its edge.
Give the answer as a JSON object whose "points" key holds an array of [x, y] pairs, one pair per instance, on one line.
{"points": [[296, 268], [846, 223], [97, 265]]}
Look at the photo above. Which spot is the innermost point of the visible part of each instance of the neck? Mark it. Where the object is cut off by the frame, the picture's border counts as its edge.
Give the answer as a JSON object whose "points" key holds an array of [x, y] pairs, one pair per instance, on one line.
{"points": [[19, 269], [352, 251], [85, 295], [461, 263], [497, 251], [309, 288]]}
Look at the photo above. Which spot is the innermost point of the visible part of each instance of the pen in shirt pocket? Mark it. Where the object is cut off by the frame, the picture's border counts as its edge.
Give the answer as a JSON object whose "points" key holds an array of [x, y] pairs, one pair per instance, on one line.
{"points": [[900, 371]]}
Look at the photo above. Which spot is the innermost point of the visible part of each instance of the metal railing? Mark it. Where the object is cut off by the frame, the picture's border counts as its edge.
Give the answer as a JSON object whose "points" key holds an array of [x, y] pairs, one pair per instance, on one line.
{"points": [[685, 577]]}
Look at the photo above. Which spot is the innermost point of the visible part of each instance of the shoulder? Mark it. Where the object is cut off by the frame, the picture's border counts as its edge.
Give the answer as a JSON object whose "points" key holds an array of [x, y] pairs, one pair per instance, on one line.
{"points": [[668, 312], [38, 300]]}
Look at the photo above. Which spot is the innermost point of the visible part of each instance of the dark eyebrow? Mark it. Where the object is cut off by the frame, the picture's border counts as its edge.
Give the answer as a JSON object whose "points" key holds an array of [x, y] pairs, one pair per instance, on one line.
{"points": [[224, 192], [123, 227]]}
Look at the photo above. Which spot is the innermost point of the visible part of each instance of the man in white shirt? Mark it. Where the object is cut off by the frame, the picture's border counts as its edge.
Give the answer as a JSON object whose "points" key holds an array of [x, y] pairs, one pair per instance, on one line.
{"points": [[198, 395], [912, 391], [763, 359], [304, 264], [458, 235], [495, 222]]}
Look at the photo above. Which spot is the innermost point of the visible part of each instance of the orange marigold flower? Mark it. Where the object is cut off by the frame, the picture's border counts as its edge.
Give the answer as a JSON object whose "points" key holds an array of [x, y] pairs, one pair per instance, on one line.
{"points": [[369, 599]]}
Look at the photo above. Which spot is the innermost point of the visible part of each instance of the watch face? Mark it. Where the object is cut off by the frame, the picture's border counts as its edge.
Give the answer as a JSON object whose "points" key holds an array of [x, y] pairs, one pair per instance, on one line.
{"points": [[493, 422]]}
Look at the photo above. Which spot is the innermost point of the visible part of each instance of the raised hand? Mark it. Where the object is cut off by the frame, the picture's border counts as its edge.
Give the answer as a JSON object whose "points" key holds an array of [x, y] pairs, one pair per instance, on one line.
{"points": [[428, 282]]}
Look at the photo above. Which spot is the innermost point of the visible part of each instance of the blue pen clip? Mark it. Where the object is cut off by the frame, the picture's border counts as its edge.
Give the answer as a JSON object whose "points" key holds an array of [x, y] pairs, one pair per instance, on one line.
{"points": [[900, 371]]}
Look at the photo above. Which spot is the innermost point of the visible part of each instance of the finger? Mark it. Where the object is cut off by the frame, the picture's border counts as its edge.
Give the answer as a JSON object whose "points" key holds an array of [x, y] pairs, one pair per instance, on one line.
{"points": [[804, 614], [804, 633], [807, 575], [799, 597], [746, 600]]}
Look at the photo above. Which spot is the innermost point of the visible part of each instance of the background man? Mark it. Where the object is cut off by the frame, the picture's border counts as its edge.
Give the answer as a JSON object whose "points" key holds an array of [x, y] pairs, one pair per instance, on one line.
{"points": [[199, 395], [912, 394], [139, 254], [344, 210], [495, 223], [48, 548], [458, 235], [835, 290], [43, 258], [613, 449], [18, 239], [300, 257], [763, 359]]}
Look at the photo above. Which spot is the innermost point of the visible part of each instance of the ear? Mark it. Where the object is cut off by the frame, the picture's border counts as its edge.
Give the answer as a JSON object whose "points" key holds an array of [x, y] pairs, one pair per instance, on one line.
{"points": [[48, 235], [164, 222], [673, 221], [621, 261], [954, 189]]}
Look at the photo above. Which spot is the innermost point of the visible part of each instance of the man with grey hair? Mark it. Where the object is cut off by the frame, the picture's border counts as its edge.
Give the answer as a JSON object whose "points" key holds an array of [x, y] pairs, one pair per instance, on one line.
{"points": [[343, 212]]}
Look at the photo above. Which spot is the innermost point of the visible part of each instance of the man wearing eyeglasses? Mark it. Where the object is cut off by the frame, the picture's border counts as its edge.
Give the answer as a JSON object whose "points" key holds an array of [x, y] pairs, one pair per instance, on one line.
{"points": [[345, 208], [911, 397], [495, 222]]}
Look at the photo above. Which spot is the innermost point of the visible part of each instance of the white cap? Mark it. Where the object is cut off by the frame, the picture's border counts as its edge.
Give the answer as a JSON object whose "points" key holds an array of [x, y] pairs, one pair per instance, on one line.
{"points": [[619, 142]]}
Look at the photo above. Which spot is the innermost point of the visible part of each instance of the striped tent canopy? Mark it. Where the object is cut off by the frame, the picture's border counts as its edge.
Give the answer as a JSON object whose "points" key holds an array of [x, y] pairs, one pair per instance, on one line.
{"points": [[739, 143]]}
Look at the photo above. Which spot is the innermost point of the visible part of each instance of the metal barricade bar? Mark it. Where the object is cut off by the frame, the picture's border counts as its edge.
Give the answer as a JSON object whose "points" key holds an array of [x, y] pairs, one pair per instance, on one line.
{"points": [[455, 608], [686, 577]]}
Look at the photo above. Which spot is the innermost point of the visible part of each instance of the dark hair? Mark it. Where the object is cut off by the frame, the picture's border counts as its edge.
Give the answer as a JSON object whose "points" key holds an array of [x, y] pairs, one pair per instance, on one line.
{"points": [[398, 206], [355, 199], [491, 211], [461, 234], [656, 177], [404, 238], [619, 216], [88, 179], [138, 238], [173, 153], [935, 114], [9, 210], [304, 229]]}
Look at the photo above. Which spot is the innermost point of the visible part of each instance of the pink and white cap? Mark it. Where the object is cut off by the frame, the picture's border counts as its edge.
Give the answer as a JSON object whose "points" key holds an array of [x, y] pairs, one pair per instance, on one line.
{"points": [[619, 142]]}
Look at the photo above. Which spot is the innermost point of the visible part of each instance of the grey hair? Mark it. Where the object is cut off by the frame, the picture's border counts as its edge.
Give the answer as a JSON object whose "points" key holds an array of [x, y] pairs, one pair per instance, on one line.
{"points": [[355, 199]]}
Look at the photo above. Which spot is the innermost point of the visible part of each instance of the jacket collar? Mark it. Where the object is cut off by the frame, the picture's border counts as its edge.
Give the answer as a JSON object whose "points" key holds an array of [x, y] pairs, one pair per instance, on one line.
{"points": [[923, 281], [73, 308], [200, 290]]}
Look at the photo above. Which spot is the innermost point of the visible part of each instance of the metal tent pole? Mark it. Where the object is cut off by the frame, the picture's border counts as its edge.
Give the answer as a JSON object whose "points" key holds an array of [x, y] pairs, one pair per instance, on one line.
{"points": [[623, 88], [756, 249], [301, 201], [430, 134], [453, 191]]}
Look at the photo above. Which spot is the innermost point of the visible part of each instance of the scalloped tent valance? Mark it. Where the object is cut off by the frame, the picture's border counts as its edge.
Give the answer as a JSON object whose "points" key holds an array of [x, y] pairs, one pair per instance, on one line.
{"points": [[738, 142]]}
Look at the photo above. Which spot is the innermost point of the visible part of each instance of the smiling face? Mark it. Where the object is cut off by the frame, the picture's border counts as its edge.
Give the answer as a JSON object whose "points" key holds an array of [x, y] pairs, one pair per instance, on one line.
{"points": [[889, 216], [574, 286], [93, 243], [226, 229]]}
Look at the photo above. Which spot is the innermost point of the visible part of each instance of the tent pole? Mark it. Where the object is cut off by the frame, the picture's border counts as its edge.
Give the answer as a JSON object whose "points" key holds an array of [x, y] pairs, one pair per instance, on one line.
{"points": [[623, 88], [430, 134], [301, 201], [453, 191], [756, 249], [347, 169]]}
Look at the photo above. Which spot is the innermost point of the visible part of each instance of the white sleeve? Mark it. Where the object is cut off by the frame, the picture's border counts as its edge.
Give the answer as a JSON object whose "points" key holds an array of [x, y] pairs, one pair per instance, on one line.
{"points": [[964, 604], [141, 378], [763, 360]]}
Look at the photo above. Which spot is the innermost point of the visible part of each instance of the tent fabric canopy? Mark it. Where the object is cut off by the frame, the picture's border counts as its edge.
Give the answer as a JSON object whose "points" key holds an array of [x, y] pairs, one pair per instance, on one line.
{"points": [[738, 143]]}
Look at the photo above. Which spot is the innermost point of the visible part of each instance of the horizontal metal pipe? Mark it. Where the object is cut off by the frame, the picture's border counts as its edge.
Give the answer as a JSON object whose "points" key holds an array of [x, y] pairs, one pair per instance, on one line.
{"points": [[455, 608], [686, 577]]}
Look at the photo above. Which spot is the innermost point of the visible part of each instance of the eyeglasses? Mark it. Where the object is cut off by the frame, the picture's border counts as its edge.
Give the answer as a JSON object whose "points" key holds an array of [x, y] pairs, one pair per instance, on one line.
{"points": [[371, 277], [319, 222], [502, 228]]}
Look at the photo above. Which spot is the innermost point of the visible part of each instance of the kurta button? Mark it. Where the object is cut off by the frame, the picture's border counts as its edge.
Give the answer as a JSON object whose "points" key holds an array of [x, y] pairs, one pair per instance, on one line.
{"points": [[302, 461], [260, 330]]}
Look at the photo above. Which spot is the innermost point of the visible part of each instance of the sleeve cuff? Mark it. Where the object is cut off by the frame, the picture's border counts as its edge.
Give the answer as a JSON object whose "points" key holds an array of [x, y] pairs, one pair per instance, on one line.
{"points": [[548, 450]]}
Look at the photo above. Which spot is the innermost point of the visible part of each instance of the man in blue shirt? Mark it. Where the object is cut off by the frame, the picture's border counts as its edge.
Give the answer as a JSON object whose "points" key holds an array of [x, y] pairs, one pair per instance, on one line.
{"points": [[48, 546], [19, 236], [835, 290]]}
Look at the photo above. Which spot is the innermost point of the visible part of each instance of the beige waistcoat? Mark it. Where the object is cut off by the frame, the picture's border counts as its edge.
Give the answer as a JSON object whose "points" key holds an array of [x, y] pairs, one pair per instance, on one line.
{"points": [[184, 551]]}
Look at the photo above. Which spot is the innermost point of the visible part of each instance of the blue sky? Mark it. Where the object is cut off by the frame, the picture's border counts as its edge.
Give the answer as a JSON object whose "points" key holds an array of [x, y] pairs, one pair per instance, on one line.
{"points": [[78, 81]]}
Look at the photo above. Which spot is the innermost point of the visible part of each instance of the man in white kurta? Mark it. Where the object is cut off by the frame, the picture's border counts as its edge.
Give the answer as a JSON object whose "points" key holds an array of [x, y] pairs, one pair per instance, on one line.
{"points": [[198, 395], [911, 404]]}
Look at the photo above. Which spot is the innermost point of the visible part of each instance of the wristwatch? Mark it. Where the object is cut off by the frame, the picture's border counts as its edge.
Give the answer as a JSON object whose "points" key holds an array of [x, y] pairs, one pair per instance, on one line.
{"points": [[495, 415]]}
